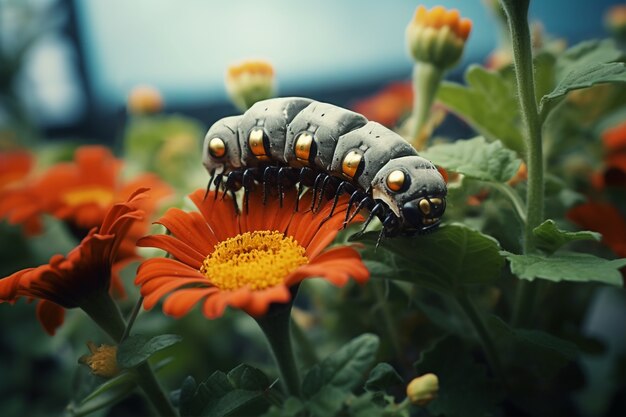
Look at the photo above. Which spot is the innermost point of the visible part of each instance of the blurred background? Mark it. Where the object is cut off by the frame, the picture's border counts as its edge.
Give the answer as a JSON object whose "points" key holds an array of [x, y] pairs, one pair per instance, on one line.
{"points": [[67, 66]]}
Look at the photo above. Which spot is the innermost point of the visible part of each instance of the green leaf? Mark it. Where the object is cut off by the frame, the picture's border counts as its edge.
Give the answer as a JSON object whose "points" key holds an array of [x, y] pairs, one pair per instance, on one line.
{"points": [[292, 407], [137, 349], [326, 402], [345, 368], [107, 394], [464, 387], [582, 78], [453, 255], [549, 238], [488, 103], [240, 393], [587, 53], [566, 266], [476, 159], [538, 352], [382, 377]]}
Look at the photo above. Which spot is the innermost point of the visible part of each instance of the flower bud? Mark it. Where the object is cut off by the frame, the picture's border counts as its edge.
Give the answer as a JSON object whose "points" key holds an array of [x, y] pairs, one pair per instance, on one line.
{"points": [[144, 99], [437, 36], [615, 21], [102, 361], [249, 82], [423, 389]]}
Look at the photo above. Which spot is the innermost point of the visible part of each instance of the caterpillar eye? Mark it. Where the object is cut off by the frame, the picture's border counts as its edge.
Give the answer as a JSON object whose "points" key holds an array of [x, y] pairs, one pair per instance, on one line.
{"points": [[425, 213], [217, 148], [396, 180]]}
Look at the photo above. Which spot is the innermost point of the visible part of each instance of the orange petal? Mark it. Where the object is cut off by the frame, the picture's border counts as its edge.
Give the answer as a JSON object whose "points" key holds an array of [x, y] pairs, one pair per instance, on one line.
{"points": [[50, 315], [182, 301], [190, 228], [175, 247]]}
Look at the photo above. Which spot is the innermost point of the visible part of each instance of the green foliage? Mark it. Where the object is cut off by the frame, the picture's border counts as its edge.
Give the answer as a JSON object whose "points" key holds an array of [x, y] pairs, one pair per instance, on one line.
{"points": [[107, 394], [382, 377], [488, 103], [476, 159], [345, 368], [566, 266], [243, 391], [137, 349], [582, 66], [454, 256], [465, 389], [550, 238]]}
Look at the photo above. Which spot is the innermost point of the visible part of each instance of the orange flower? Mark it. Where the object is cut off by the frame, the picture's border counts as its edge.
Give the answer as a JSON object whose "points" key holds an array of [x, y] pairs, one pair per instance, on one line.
{"points": [[438, 36], [78, 279], [249, 82], [605, 219], [615, 21], [15, 168], [389, 105], [144, 99], [247, 261], [614, 172]]}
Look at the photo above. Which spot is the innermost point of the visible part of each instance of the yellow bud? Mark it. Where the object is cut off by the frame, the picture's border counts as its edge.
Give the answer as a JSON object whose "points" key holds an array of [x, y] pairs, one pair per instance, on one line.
{"points": [[423, 389], [615, 21], [144, 99], [437, 36], [102, 361], [249, 82]]}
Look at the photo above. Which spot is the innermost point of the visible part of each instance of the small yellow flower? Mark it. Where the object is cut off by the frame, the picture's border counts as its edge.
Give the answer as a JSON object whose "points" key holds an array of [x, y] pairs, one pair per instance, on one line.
{"points": [[438, 36], [144, 99], [249, 82], [102, 361], [423, 389]]}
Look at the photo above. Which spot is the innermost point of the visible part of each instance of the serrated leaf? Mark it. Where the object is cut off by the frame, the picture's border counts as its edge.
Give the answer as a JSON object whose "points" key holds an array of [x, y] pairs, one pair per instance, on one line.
{"points": [[582, 77], [107, 394], [345, 368], [488, 103], [453, 255], [382, 377], [587, 53], [476, 159], [137, 349], [240, 392], [539, 352], [464, 387], [566, 266], [549, 238]]}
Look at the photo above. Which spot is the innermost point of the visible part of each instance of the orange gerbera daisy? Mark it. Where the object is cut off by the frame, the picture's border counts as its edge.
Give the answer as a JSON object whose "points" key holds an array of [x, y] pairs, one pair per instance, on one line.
{"points": [[246, 260], [82, 277], [15, 168]]}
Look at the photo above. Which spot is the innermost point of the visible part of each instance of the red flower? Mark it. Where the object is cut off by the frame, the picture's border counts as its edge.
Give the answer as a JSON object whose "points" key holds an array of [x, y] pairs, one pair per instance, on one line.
{"points": [[247, 261], [389, 105], [84, 274], [605, 219]]}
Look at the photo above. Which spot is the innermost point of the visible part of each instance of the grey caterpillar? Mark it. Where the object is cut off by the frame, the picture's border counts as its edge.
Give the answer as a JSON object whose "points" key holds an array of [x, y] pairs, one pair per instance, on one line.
{"points": [[282, 142]]}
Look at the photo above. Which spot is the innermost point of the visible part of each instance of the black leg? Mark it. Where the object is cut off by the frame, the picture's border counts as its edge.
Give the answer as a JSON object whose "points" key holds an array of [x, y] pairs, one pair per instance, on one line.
{"points": [[232, 183], [208, 187], [378, 208], [365, 202], [268, 172], [234, 197], [344, 187], [319, 180], [248, 184], [218, 182], [323, 191], [305, 178], [353, 198], [284, 178]]}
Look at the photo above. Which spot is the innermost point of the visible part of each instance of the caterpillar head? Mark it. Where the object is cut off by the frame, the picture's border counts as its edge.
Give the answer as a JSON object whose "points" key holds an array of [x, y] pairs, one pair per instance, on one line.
{"points": [[414, 190], [220, 151]]}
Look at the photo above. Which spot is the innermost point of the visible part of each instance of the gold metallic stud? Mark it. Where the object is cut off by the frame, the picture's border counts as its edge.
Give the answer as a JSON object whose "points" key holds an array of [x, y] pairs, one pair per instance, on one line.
{"points": [[255, 141], [436, 201], [395, 180], [424, 206], [303, 147], [351, 164], [217, 148]]}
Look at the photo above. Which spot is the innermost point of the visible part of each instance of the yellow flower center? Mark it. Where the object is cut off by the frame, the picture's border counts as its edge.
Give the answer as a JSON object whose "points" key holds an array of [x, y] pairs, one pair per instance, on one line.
{"points": [[256, 260], [101, 196]]}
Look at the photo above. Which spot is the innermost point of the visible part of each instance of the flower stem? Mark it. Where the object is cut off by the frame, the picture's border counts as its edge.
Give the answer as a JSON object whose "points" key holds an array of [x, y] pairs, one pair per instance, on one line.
{"points": [[276, 327], [132, 318], [106, 314], [489, 347], [426, 80], [517, 14]]}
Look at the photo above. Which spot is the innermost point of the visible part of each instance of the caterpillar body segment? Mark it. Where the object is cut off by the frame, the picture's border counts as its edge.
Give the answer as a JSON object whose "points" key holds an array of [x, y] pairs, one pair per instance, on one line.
{"points": [[282, 142]]}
